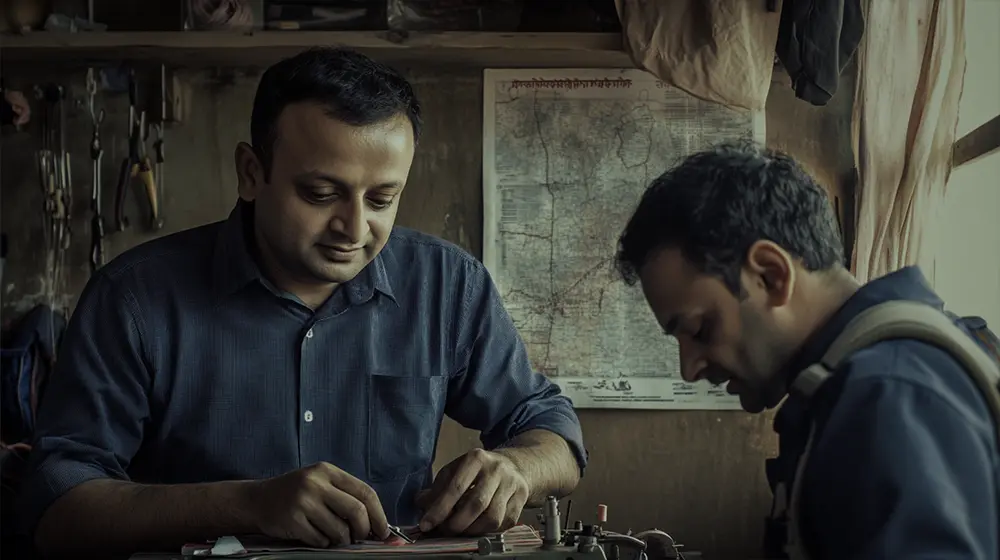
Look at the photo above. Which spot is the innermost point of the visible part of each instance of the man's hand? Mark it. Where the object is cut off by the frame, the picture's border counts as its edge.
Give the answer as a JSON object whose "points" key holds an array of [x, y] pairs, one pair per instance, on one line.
{"points": [[319, 505], [480, 492]]}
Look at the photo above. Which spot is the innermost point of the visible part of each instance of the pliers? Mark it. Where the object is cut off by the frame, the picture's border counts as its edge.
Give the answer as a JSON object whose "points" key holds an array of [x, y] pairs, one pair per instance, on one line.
{"points": [[136, 164]]}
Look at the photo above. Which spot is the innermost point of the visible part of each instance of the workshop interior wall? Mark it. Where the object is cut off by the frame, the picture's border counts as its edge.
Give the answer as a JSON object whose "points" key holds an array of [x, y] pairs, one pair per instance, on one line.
{"points": [[698, 475], [965, 238]]}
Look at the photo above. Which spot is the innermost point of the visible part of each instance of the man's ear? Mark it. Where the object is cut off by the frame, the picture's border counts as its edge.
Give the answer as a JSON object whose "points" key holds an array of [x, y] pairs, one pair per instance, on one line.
{"points": [[249, 172], [773, 270]]}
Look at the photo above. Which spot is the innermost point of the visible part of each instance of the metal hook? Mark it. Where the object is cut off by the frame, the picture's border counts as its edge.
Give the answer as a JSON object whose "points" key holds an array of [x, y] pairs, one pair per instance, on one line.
{"points": [[95, 117], [91, 82]]}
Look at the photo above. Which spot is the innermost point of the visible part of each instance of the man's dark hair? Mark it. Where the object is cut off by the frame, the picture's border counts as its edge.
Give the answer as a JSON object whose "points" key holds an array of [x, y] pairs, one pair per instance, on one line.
{"points": [[719, 202], [354, 89]]}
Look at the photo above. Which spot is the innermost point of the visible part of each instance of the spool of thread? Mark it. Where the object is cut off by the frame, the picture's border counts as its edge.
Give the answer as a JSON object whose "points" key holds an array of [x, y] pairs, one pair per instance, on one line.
{"points": [[602, 513]]}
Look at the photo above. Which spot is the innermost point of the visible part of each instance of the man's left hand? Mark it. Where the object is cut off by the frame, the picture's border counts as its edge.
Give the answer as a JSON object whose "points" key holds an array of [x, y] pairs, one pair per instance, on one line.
{"points": [[480, 492]]}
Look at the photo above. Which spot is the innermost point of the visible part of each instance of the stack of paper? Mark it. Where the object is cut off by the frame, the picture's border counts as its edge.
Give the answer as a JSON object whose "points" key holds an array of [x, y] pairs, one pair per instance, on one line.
{"points": [[519, 537]]}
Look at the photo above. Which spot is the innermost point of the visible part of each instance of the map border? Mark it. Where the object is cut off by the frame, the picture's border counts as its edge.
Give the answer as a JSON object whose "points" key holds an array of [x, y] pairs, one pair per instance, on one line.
{"points": [[644, 393]]}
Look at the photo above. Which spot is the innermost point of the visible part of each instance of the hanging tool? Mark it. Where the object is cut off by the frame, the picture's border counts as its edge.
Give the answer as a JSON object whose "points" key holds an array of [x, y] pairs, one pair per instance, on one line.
{"points": [[158, 145], [54, 178], [145, 173], [96, 155], [136, 163], [158, 150], [131, 158], [54, 168]]}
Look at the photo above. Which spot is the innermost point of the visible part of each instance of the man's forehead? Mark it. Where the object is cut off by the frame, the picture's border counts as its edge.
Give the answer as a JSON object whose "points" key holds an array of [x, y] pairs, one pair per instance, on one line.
{"points": [[668, 280], [307, 136], [668, 268], [309, 117], [305, 124]]}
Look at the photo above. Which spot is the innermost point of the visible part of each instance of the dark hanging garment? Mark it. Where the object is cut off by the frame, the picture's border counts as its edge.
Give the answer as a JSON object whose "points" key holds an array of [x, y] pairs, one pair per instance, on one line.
{"points": [[816, 40]]}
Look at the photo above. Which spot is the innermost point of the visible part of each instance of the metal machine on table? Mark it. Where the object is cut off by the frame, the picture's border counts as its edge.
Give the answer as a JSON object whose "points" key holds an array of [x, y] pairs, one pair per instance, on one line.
{"points": [[593, 541], [578, 542]]}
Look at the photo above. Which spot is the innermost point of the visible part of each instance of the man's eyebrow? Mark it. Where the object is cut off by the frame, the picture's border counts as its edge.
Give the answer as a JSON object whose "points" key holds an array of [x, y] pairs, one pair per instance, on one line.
{"points": [[319, 175]]}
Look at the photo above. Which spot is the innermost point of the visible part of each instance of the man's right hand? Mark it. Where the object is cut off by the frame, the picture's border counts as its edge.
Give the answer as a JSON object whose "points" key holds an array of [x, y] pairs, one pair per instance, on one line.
{"points": [[319, 505]]}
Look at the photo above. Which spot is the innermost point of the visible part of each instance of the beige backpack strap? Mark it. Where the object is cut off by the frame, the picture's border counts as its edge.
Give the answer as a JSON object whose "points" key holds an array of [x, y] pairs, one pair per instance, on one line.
{"points": [[891, 320], [918, 321]]}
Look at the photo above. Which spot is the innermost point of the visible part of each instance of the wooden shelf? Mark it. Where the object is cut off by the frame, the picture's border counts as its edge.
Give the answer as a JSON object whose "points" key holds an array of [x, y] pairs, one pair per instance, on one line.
{"points": [[209, 48]]}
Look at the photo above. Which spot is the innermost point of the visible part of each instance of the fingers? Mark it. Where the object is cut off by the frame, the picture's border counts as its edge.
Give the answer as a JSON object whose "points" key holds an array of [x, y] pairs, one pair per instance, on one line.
{"points": [[351, 512], [468, 521], [447, 490], [422, 499], [303, 530], [427, 497], [357, 504], [474, 503], [332, 529], [502, 514], [320, 505], [515, 506]]}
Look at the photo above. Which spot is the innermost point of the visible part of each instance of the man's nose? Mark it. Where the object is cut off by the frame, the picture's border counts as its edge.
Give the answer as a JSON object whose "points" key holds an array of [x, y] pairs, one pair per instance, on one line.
{"points": [[350, 219], [692, 363]]}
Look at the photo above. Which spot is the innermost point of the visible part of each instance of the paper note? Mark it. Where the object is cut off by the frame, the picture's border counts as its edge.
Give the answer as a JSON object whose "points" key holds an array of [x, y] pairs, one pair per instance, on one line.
{"points": [[520, 537]]}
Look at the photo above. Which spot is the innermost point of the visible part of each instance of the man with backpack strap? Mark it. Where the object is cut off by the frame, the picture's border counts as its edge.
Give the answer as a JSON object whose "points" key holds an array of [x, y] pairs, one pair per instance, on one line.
{"points": [[888, 433]]}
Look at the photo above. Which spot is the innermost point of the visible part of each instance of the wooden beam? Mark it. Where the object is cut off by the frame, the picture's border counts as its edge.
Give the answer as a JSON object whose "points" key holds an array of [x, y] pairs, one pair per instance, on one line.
{"points": [[978, 143], [262, 48]]}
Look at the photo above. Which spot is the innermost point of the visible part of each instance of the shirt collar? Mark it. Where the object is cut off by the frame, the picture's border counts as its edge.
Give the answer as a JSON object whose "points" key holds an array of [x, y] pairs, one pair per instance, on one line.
{"points": [[234, 266], [907, 283], [373, 278]]}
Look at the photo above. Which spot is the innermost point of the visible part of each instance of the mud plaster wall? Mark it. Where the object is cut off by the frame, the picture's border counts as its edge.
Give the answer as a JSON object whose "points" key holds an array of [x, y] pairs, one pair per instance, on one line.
{"points": [[697, 475]]}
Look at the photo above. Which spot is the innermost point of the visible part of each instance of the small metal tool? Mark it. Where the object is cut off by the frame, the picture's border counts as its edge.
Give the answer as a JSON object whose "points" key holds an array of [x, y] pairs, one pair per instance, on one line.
{"points": [[399, 533]]}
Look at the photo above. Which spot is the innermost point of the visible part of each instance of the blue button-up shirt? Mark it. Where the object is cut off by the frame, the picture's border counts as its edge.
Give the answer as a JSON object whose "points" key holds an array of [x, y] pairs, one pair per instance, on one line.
{"points": [[182, 364], [905, 462]]}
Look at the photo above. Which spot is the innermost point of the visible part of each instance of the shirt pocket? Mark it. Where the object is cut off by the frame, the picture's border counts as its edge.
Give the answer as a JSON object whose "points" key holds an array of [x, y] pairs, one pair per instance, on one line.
{"points": [[404, 420]]}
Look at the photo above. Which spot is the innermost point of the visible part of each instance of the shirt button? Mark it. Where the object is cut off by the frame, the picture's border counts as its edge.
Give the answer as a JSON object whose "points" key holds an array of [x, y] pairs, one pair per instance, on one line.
{"points": [[308, 416], [309, 333]]}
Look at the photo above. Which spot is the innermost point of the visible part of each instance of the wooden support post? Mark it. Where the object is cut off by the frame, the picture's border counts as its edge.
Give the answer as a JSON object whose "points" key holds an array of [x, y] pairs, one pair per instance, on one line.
{"points": [[976, 144]]}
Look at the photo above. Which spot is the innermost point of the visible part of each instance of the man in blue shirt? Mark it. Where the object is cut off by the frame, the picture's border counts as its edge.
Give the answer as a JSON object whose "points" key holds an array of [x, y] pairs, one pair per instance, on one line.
{"points": [[739, 256], [286, 371]]}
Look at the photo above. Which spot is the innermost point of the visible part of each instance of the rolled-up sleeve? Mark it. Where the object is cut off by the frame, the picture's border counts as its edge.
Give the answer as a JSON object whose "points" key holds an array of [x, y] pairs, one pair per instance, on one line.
{"points": [[495, 390], [92, 415]]}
